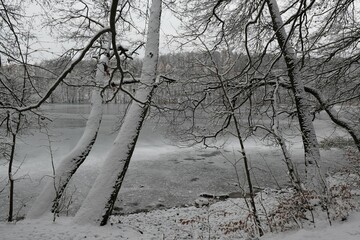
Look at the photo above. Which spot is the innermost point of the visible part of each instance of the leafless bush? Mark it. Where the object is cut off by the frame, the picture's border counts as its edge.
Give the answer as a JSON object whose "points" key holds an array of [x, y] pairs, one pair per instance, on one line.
{"points": [[341, 202], [336, 142], [292, 211], [306, 207]]}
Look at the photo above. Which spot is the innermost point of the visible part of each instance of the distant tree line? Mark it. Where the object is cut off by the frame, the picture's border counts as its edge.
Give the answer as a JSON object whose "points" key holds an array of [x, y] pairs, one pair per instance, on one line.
{"points": [[189, 69]]}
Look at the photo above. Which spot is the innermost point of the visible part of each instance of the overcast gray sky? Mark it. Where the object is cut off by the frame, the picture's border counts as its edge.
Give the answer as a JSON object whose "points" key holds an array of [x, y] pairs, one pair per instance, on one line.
{"points": [[51, 48]]}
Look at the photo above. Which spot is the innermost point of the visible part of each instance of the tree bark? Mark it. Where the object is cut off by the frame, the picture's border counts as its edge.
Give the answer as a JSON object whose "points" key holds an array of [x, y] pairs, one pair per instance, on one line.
{"points": [[11, 178], [311, 147], [98, 205], [14, 123], [49, 198], [312, 154]]}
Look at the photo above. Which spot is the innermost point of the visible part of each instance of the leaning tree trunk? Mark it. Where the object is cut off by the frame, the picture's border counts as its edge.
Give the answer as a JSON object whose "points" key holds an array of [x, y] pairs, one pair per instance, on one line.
{"points": [[49, 198], [351, 128], [311, 148], [99, 203]]}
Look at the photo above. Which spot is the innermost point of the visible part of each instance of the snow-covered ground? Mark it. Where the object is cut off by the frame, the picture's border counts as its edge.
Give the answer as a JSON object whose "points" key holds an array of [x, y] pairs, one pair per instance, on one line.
{"points": [[221, 220], [63, 229]]}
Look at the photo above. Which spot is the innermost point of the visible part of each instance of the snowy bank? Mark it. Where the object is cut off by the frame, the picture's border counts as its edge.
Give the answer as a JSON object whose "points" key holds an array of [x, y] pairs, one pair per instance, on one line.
{"points": [[228, 219]]}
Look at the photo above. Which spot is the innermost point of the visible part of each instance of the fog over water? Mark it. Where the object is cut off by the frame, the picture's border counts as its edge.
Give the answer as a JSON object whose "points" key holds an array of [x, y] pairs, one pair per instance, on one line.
{"points": [[161, 174]]}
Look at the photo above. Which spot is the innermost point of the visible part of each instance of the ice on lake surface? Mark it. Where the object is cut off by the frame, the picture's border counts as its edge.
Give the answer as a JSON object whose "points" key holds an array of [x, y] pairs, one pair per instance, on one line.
{"points": [[160, 174]]}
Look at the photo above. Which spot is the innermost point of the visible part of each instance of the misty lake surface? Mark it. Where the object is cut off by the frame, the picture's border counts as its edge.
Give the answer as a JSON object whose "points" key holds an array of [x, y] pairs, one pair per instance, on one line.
{"points": [[161, 174]]}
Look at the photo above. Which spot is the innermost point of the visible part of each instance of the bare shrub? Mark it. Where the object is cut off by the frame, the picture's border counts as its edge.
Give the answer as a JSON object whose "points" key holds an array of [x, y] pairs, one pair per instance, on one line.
{"points": [[341, 202], [293, 211], [336, 142]]}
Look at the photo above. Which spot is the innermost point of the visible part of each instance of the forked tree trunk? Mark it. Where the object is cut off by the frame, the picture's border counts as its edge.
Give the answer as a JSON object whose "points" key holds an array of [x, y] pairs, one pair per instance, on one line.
{"points": [[311, 148], [49, 198], [98, 205]]}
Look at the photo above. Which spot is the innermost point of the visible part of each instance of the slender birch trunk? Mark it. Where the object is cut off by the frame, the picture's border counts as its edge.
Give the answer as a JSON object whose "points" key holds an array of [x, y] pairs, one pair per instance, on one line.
{"points": [[98, 205], [311, 148], [11, 174], [294, 177], [49, 198]]}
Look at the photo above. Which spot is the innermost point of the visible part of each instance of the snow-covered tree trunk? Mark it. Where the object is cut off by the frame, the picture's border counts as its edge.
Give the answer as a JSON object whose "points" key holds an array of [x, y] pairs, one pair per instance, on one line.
{"points": [[314, 178], [99, 203], [312, 154], [49, 198]]}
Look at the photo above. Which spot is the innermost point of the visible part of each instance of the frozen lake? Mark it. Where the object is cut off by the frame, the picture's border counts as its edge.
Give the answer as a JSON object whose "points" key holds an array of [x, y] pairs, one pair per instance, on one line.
{"points": [[160, 174]]}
